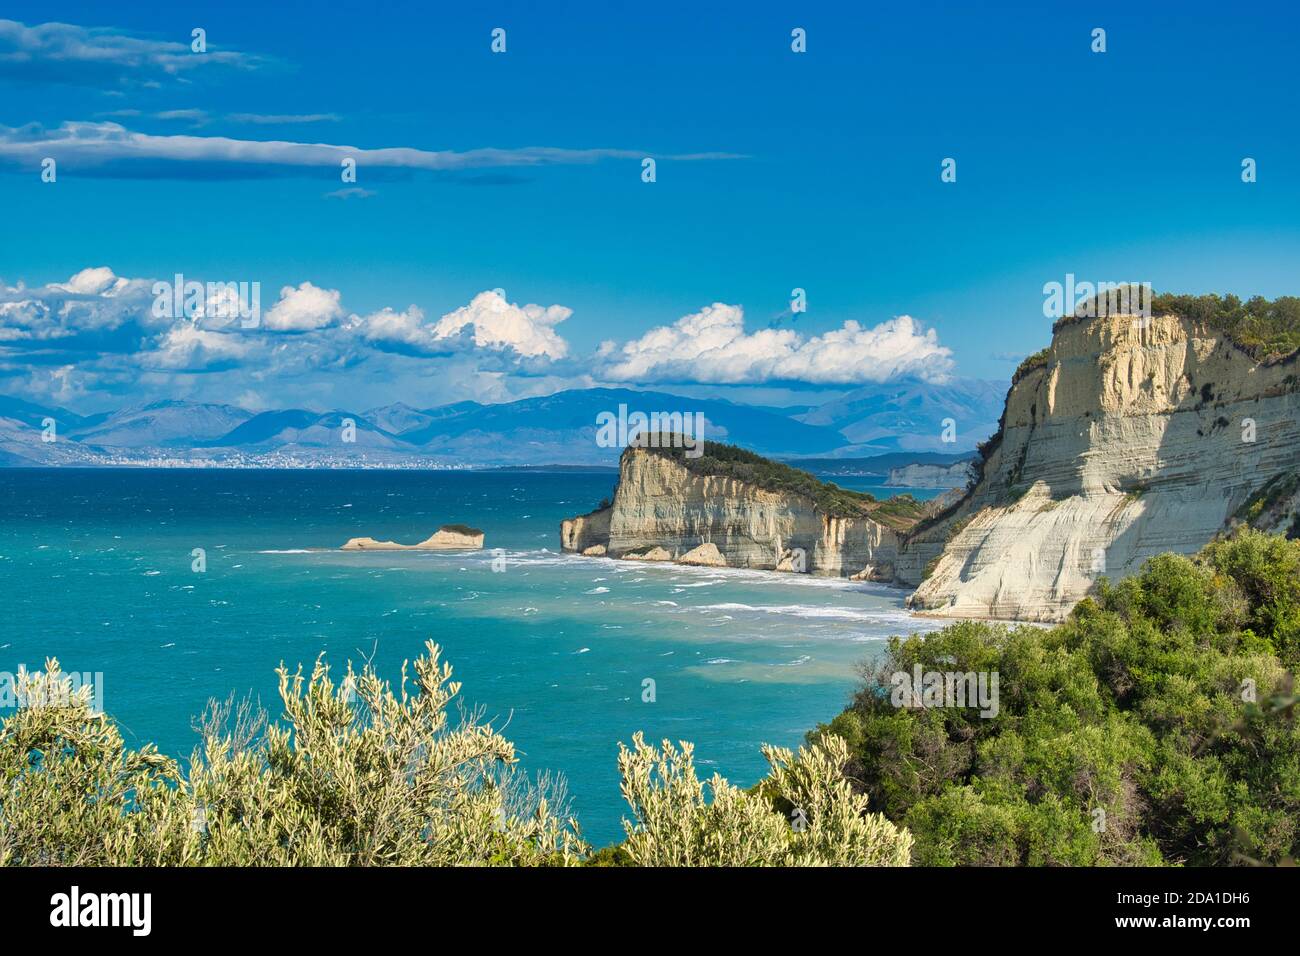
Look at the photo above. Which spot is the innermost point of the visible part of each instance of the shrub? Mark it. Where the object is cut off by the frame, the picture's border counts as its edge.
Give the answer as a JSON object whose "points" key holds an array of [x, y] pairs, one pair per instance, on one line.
{"points": [[804, 814], [1267, 331], [361, 775], [1155, 725], [71, 794], [366, 774]]}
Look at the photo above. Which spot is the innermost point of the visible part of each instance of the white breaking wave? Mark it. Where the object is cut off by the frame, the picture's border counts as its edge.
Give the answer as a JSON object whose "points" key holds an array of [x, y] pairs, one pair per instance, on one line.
{"points": [[809, 611]]}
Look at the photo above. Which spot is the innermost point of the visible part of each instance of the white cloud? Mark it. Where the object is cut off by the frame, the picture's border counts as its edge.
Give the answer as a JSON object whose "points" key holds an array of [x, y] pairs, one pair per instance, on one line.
{"points": [[93, 300], [99, 280], [91, 145], [351, 192], [275, 119], [488, 322], [498, 324], [398, 328], [198, 117], [102, 56], [27, 320], [305, 308], [186, 347], [711, 346]]}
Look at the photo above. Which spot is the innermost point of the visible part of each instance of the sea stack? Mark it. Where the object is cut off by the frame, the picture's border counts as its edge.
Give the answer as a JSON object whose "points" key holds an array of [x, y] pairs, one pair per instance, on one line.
{"points": [[450, 537]]}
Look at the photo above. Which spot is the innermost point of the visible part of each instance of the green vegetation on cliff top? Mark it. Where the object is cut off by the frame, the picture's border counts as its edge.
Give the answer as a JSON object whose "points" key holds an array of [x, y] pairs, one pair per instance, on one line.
{"points": [[728, 461], [1266, 330], [461, 529]]}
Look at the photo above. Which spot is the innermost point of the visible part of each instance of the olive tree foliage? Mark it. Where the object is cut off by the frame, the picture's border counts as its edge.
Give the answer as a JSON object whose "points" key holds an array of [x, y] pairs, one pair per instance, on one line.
{"points": [[803, 814], [71, 794], [360, 773], [365, 773]]}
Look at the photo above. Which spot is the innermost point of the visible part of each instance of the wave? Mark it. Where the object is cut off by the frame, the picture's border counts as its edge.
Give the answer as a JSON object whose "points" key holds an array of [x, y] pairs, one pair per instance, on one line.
{"points": [[811, 611]]}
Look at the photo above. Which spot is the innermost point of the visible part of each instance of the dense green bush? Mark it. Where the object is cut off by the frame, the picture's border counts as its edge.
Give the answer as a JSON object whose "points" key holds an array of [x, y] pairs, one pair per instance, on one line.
{"points": [[1155, 726], [365, 774], [1266, 330]]}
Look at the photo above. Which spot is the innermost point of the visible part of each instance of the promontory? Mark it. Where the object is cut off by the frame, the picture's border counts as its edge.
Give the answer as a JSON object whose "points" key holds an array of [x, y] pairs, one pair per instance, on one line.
{"points": [[732, 508]]}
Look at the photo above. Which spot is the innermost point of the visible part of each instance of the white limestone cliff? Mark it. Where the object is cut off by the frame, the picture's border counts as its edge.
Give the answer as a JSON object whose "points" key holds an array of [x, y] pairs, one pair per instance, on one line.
{"points": [[1133, 437], [916, 475], [662, 507]]}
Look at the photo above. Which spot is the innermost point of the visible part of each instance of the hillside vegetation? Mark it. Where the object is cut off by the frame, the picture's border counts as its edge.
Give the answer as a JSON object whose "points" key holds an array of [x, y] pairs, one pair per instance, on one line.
{"points": [[1156, 726]]}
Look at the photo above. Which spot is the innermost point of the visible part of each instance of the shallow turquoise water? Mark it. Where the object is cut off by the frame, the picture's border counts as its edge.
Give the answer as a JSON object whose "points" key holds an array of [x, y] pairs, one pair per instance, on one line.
{"points": [[95, 568]]}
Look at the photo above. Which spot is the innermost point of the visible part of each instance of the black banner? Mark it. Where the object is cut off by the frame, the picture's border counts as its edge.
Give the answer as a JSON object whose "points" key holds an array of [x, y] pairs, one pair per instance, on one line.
{"points": [[338, 906]]}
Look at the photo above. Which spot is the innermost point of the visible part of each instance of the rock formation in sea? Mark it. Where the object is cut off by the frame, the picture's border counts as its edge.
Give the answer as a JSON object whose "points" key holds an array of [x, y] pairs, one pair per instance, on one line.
{"points": [[731, 508], [450, 537], [1128, 437]]}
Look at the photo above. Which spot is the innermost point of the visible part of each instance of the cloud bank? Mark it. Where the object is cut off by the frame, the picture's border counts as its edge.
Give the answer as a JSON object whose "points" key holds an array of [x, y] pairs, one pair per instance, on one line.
{"points": [[712, 347], [98, 333]]}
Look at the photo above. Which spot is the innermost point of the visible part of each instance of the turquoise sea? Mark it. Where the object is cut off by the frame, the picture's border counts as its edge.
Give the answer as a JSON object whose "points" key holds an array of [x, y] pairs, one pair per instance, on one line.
{"points": [[95, 568]]}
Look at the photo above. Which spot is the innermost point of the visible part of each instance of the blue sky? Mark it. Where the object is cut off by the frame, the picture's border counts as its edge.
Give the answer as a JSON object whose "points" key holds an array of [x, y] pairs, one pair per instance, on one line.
{"points": [[775, 170]]}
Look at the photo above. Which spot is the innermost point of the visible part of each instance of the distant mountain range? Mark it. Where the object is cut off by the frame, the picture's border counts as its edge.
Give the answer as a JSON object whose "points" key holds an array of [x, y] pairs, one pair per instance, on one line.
{"points": [[907, 418]]}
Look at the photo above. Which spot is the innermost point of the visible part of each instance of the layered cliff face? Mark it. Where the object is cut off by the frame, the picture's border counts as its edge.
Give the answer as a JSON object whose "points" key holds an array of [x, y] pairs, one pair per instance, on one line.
{"points": [[586, 531], [660, 504], [956, 475], [1133, 437]]}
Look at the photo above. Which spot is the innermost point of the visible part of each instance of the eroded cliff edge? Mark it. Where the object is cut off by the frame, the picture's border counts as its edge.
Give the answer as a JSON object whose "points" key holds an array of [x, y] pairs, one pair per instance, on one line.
{"points": [[756, 513], [1128, 437]]}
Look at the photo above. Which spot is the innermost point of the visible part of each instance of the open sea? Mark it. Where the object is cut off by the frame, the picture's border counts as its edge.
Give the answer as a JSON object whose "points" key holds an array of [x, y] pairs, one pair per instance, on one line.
{"points": [[95, 569]]}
